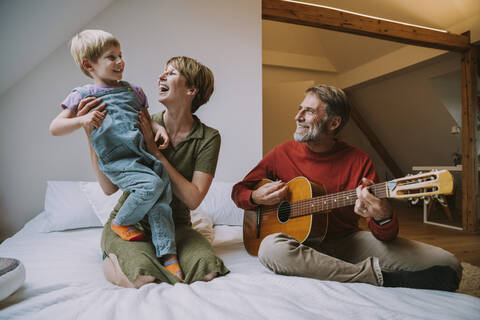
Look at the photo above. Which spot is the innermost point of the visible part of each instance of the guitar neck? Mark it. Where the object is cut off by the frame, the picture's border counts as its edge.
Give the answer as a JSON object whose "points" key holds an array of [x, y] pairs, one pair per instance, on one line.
{"points": [[334, 200]]}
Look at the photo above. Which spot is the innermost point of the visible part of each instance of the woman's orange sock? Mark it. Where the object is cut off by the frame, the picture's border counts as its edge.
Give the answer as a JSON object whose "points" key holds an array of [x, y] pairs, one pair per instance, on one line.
{"points": [[174, 268], [129, 233]]}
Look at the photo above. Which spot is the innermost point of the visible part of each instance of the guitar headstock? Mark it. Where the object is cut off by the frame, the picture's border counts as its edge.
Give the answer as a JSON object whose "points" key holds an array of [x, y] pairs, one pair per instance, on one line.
{"points": [[426, 184]]}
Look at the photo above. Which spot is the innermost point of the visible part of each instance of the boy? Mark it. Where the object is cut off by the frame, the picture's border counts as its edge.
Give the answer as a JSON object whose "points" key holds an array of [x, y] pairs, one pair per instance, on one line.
{"points": [[118, 142]]}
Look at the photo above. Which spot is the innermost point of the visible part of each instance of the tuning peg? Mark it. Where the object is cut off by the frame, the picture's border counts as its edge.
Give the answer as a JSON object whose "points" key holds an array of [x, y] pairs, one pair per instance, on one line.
{"points": [[414, 201], [442, 200], [426, 200]]}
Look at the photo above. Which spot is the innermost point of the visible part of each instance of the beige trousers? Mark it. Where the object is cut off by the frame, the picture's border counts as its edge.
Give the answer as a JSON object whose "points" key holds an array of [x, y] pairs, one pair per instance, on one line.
{"points": [[359, 257]]}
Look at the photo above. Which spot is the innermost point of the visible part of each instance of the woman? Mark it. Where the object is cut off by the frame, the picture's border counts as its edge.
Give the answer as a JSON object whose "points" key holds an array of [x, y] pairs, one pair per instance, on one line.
{"points": [[190, 160]]}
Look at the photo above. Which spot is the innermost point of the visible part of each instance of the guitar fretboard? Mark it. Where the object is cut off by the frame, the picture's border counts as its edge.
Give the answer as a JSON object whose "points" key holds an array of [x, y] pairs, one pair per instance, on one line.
{"points": [[333, 201]]}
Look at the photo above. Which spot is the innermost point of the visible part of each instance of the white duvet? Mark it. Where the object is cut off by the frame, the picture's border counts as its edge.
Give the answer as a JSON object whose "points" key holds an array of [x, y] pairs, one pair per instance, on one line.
{"points": [[64, 281]]}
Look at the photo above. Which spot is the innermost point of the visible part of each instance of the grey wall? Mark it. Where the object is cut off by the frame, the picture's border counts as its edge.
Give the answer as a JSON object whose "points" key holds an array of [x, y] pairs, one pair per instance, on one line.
{"points": [[408, 115]]}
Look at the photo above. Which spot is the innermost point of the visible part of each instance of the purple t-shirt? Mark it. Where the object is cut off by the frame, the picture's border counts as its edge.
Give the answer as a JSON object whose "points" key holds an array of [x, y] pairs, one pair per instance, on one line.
{"points": [[73, 99]]}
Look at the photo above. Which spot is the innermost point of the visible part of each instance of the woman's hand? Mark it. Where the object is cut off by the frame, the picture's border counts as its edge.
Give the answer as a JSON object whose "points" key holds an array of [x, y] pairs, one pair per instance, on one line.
{"points": [[162, 134], [146, 128], [90, 113]]}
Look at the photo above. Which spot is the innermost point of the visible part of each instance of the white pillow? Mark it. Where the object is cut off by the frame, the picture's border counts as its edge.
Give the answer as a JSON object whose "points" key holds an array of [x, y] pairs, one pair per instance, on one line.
{"points": [[101, 204], [66, 207], [219, 206]]}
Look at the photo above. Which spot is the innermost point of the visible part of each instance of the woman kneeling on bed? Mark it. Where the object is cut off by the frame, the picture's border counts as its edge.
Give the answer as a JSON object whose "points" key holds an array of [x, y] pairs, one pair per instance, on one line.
{"points": [[190, 160]]}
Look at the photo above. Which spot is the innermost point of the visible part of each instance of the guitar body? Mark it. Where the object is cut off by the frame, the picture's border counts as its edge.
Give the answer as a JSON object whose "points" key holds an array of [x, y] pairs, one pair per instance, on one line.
{"points": [[267, 220], [305, 213]]}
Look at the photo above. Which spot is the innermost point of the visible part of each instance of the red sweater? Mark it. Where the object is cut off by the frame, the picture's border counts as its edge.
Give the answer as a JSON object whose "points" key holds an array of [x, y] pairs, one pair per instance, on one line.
{"points": [[339, 169]]}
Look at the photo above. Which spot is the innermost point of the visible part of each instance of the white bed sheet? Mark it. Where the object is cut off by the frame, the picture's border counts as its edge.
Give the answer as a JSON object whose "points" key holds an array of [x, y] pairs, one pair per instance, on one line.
{"points": [[64, 281]]}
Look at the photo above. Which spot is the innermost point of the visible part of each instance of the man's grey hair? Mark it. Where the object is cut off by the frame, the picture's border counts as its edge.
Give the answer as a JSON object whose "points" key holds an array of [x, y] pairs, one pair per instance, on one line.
{"points": [[336, 102]]}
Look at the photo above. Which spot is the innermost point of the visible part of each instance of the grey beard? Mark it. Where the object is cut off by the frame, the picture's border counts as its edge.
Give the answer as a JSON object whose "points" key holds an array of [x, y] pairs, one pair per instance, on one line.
{"points": [[313, 134], [307, 137]]}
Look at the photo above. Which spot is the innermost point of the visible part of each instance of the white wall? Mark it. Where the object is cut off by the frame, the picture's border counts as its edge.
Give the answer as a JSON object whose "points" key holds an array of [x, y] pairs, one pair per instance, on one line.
{"points": [[20, 19], [280, 105], [223, 34]]}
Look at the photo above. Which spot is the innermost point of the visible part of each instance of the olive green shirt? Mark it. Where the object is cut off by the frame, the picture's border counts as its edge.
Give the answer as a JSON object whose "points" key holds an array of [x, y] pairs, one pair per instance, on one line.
{"points": [[198, 152]]}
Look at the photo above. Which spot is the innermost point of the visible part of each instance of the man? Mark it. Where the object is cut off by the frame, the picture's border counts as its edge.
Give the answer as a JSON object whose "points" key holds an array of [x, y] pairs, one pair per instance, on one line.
{"points": [[346, 254]]}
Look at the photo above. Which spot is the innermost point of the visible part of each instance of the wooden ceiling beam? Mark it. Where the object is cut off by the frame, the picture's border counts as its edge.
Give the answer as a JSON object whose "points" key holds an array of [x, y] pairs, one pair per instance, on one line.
{"points": [[338, 20]]}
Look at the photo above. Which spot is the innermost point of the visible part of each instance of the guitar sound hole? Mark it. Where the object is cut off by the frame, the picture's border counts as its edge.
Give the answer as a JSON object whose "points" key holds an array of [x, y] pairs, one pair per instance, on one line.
{"points": [[283, 213]]}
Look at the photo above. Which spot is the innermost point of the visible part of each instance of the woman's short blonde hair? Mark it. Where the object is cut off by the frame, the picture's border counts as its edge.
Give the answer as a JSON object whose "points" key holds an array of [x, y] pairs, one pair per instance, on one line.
{"points": [[198, 76], [90, 45]]}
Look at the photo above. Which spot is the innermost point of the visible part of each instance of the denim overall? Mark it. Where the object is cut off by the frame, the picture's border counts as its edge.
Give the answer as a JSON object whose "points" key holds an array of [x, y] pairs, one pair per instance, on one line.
{"points": [[118, 143]]}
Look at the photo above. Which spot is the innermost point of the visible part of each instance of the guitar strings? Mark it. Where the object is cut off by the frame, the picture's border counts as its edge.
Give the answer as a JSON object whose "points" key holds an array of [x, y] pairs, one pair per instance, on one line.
{"points": [[335, 200], [332, 201]]}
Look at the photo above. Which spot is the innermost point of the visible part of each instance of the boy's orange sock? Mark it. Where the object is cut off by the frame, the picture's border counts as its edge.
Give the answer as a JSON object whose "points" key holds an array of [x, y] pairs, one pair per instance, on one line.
{"points": [[174, 268], [129, 233]]}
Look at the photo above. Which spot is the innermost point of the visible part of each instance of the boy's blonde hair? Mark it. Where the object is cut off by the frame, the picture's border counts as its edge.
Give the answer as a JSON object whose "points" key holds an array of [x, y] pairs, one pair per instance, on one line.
{"points": [[198, 76], [90, 44]]}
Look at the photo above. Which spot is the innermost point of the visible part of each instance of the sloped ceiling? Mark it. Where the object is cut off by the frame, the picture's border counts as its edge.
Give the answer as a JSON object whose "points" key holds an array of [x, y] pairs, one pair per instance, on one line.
{"points": [[344, 51], [55, 21], [52, 21]]}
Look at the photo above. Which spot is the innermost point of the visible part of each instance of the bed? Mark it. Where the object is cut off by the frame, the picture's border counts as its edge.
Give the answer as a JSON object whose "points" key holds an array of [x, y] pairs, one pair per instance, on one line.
{"points": [[60, 251]]}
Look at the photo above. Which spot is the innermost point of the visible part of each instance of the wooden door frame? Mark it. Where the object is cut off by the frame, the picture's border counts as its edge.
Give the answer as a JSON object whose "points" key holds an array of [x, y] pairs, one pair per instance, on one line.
{"points": [[338, 20]]}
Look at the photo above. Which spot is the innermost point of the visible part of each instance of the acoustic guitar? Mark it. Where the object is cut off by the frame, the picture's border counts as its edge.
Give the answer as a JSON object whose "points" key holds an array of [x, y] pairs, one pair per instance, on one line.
{"points": [[308, 205]]}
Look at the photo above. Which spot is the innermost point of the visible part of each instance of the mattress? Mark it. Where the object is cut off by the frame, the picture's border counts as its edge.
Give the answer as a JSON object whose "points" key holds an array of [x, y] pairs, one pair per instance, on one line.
{"points": [[64, 280]]}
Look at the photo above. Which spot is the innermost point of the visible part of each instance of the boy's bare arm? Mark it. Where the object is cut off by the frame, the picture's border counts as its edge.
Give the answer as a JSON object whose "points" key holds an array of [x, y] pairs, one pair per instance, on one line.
{"points": [[66, 122], [88, 115]]}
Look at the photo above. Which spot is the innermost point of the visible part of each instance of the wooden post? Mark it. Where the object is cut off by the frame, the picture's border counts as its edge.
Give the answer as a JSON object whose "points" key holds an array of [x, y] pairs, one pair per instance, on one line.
{"points": [[470, 205]]}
